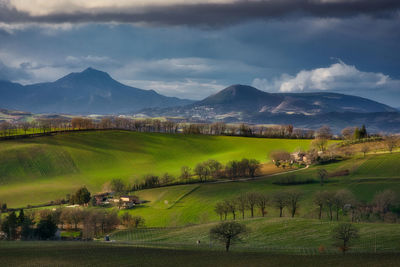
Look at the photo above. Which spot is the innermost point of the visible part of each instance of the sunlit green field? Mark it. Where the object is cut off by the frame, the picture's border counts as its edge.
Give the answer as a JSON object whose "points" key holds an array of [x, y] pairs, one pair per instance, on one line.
{"points": [[192, 204], [41, 169]]}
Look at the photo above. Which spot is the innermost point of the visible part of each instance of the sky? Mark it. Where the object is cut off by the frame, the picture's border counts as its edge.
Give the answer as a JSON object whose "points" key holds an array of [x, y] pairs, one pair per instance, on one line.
{"points": [[194, 48]]}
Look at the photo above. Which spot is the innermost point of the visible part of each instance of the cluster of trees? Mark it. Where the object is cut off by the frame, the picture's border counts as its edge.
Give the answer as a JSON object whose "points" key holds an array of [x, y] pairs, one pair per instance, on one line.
{"points": [[81, 197], [131, 222], [3, 207], [385, 206], [354, 133], [28, 227], [259, 201], [43, 224]]}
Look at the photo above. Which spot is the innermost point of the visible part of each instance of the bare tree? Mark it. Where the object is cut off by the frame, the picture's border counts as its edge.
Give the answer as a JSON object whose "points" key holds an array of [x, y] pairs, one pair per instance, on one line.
{"points": [[26, 126], [231, 206], [329, 202], [185, 173], [322, 136], [322, 174], [252, 201], [280, 201], [383, 201], [228, 233], [242, 203], [340, 199], [364, 149], [253, 166], [391, 142], [202, 171], [345, 233], [293, 197], [319, 201], [220, 210], [262, 202], [348, 133]]}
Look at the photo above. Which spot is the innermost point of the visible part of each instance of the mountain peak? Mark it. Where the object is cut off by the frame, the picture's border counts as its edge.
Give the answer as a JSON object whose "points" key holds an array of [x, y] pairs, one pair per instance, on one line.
{"points": [[88, 75], [94, 72], [239, 95]]}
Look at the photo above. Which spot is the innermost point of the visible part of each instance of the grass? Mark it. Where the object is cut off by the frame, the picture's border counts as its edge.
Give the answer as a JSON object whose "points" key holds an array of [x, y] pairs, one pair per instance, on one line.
{"points": [[283, 235], [36, 170], [197, 206], [100, 254]]}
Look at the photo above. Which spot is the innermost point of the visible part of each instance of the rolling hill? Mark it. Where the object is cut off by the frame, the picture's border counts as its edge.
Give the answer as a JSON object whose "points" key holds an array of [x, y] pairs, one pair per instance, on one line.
{"points": [[33, 171], [192, 204], [89, 91]]}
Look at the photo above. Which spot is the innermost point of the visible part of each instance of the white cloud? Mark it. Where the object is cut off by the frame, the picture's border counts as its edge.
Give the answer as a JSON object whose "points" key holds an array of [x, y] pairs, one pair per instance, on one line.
{"points": [[337, 77], [46, 7]]}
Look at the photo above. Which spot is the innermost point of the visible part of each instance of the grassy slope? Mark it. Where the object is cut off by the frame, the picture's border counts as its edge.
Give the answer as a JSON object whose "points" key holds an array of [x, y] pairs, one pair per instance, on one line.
{"points": [[199, 200], [273, 234], [95, 254], [42, 169]]}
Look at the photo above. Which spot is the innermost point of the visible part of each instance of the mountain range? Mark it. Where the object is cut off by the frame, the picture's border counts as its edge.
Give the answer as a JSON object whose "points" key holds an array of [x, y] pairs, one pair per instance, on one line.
{"points": [[86, 92], [93, 91], [242, 103]]}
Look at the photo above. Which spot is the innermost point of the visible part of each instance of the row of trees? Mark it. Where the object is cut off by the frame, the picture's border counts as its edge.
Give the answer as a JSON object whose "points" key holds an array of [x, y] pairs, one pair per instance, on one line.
{"points": [[385, 205], [203, 171], [44, 125], [259, 201]]}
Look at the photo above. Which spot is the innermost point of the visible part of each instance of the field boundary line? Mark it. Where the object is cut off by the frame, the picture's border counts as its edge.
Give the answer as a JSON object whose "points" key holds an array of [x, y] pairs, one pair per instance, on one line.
{"points": [[183, 196]]}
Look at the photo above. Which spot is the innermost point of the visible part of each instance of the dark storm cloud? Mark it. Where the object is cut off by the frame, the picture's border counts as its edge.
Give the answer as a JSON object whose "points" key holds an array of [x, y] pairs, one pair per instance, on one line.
{"points": [[211, 14]]}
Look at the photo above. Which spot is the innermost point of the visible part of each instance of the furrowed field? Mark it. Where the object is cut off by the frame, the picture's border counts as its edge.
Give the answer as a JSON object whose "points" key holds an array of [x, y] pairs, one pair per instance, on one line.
{"points": [[33, 171], [97, 254]]}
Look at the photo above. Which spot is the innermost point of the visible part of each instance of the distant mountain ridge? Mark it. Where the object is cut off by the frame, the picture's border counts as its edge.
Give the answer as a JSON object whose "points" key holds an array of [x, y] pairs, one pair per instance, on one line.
{"points": [[89, 91], [242, 103], [246, 98], [93, 91]]}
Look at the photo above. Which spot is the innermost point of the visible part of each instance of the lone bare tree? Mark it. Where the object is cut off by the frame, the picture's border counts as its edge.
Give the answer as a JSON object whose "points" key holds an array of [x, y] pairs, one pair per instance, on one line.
{"points": [[391, 142], [228, 232], [322, 174], [344, 233], [365, 149]]}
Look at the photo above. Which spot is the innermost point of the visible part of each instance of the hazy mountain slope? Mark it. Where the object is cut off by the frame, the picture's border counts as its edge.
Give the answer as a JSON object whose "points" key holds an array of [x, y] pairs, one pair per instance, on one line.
{"points": [[90, 91], [247, 98]]}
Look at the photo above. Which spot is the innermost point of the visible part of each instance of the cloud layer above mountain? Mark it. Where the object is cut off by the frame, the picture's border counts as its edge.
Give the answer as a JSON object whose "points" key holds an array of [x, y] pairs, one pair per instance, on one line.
{"points": [[338, 77], [184, 12], [193, 48]]}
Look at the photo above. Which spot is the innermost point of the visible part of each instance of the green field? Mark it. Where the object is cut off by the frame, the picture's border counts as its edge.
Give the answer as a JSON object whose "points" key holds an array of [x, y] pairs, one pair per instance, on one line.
{"points": [[192, 204], [280, 235], [36, 170], [97, 254]]}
